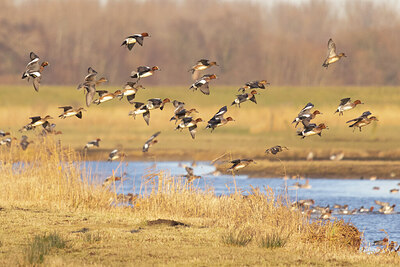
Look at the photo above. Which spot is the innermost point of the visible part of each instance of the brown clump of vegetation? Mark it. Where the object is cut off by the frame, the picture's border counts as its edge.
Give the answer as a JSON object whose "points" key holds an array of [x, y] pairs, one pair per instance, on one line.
{"points": [[50, 188]]}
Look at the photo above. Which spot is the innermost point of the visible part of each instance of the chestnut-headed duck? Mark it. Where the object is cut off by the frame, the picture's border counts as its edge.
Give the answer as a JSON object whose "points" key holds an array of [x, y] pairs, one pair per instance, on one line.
{"points": [[181, 113], [362, 121], [332, 57], [244, 97], [140, 108], [312, 129], [238, 164], [93, 143], [155, 103], [203, 64], [365, 210], [70, 111], [346, 104], [24, 142], [384, 242], [115, 154], [2, 133], [143, 71], [218, 119], [130, 41], [275, 149], [394, 191], [190, 123], [190, 176], [89, 84], [202, 83], [34, 70], [129, 90], [105, 96], [254, 85], [152, 140]]}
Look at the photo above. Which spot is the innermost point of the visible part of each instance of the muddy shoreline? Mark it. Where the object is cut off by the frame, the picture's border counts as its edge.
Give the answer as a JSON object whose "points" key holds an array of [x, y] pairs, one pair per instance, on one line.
{"points": [[357, 165]]}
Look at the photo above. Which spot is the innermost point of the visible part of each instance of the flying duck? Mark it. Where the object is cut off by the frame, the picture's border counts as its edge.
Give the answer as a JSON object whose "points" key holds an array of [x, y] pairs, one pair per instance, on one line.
{"points": [[143, 71], [191, 123], [346, 104], [238, 164], [105, 96], [362, 121], [24, 142], [218, 119], [140, 108], [275, 149], [312, 129], [129, 90], [150, 142], [244, 97], [93, 143], [254, 85], [202, 64], [130, 41], [115, 154], [155, 103], [181, 113], [2, 133], [202, 83], [332, 57], [305, 115], [34, 70], [37, 121], [89, 84], [69, 112], [190, 174]]}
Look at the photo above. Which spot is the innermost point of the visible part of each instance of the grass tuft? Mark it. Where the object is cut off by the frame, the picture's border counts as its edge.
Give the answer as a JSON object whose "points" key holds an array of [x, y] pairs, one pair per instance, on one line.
{"points": [[239, 238], [273, 240], [42, 245]]}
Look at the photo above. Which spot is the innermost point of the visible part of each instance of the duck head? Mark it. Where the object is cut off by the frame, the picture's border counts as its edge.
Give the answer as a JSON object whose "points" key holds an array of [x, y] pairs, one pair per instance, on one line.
{"points": [[155, 68], [342, 55], [357, 102]]}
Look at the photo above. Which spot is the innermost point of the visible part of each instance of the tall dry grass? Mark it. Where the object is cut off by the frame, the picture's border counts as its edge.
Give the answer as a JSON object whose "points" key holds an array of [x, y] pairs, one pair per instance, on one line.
{"points": [[51, 177]]}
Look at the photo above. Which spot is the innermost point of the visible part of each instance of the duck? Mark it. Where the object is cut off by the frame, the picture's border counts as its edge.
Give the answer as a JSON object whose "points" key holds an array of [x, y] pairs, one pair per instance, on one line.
{"points": [[24, 142], [190, 123], [275, 149], [130, 41], [304, 114], [34, 70], [365, 210], [7, 141], [143, 71], [376, 188], [238, 164], [155, 103], [129, 90], [37, 121], [306, 185], [112, 179], [180, 114], [394, 191], [140, 108], [332, 56], [385, 207], [362, 121], [326, 215], [312, 129], [346, 104], [202, 64], [218, 119], [244, 97], [254, 85], [3, 133], [115, 154], [50, 129], [105, 96], [70, 111], [190, 176], [150, 142], [93, 143], [202, 83], [90, 84], [384, 242], [337, 157]]}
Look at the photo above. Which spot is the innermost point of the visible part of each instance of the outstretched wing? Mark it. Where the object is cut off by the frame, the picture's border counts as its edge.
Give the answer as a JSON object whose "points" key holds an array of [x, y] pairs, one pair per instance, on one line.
{"points": [[221, 112], [143, 69], [36, 83], [35, 119], [205, 89], [65, 108], [331, 48], [189, 170], [344, 101], [152, 137], [307, 107]]}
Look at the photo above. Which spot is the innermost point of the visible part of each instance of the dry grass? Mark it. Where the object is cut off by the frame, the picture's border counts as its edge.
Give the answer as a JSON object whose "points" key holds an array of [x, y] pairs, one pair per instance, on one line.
{"points": [[48, 193]]}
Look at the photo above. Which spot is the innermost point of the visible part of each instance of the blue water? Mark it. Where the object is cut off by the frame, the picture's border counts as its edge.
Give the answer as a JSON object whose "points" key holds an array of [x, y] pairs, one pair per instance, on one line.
{"points": [[355, 193]]}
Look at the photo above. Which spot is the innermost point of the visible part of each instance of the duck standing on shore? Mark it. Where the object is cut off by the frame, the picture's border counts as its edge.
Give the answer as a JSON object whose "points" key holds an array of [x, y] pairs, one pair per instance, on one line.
{"points": [[332, 57], [34, 70], [130, 41], [346, 104]]}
